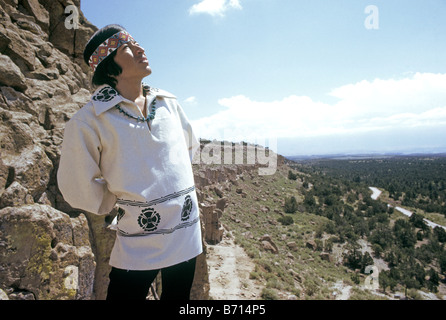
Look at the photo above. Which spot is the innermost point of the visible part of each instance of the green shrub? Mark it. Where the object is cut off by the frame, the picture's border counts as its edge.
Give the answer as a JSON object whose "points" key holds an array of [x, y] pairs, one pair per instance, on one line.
{"points": [[286, 220], [291, 175], [290, 205], [269, 294]]}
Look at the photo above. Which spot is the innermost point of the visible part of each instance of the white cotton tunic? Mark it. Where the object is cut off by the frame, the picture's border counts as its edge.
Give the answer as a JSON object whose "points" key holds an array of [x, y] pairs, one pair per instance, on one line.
{"points": [[110, 159]]}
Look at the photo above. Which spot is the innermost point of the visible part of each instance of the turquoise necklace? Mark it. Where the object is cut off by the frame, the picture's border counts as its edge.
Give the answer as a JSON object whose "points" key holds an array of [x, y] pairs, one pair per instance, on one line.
{"points": [[151, 115]]}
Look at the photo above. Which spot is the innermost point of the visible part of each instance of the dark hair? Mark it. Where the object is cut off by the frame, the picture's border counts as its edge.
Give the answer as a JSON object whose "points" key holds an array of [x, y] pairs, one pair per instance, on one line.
{"points": [[108, 67]]}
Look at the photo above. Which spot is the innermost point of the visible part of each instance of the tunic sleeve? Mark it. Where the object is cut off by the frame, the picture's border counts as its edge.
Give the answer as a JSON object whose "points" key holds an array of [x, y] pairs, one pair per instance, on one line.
{"points": [[191, 139], [79, 175]]}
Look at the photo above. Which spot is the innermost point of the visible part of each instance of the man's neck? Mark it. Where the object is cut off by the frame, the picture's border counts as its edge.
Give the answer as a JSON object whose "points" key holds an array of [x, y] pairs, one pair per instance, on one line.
{"points": [[131, 90]]}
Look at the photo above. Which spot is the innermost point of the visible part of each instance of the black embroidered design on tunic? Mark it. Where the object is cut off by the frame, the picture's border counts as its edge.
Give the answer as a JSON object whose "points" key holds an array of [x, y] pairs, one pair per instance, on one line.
{"points": [[105, 94], [149, 219], [156, 201], [161, 231], [187, 209], [121, 213]]}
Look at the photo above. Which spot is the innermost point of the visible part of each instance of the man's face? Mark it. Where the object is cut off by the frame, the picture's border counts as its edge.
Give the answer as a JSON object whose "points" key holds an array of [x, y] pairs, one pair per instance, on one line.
{"points": [[132, 59]]}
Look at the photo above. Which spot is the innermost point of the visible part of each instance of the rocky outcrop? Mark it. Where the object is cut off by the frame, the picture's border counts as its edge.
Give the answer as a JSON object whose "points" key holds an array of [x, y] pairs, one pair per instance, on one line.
{"points": [[211, 218], [42, 83], [46, 247], [45, 254]]}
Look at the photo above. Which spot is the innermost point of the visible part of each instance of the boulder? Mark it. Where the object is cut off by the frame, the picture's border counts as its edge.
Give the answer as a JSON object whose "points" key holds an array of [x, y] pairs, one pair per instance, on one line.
{"points": [[292, 246], [310, 244], [268, 244], [210, 215], [326, 256], [46, 255], [221, 203], [10, 74]]}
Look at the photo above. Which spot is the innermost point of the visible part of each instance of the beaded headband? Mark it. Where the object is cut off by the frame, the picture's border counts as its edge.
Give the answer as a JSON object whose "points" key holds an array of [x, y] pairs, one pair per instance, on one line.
{"points": [[108, 46]]}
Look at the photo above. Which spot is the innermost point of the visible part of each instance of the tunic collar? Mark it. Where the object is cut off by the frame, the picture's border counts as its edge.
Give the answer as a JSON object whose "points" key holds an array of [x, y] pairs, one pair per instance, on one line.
{"points": [[106, 97]]}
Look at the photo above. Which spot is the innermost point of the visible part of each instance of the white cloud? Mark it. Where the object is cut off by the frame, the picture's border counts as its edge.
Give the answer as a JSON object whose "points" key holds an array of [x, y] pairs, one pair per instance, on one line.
{"points": [[191, 100], [421, 91], [214, 7], [416, 101]]}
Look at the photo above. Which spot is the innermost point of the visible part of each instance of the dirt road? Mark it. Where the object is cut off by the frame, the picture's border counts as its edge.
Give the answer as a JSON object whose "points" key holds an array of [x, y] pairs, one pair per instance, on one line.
{"points": [[229, 270]]}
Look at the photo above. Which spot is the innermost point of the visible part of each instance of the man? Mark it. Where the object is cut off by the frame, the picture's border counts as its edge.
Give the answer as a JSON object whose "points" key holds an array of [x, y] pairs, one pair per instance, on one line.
{"points": [[131, 146]]}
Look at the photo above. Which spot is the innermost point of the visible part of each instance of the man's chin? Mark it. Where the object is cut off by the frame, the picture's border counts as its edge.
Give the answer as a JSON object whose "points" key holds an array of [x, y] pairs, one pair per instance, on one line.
{"points": [[148, 71]]}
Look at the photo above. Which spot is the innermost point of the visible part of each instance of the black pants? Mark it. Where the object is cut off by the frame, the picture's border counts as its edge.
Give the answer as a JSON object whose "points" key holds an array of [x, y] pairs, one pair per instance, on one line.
{"points": [[176, 282]]}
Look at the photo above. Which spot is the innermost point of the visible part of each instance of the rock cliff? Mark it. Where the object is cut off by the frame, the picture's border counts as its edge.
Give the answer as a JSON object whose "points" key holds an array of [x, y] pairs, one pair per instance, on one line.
{"points": [[46, 248]]}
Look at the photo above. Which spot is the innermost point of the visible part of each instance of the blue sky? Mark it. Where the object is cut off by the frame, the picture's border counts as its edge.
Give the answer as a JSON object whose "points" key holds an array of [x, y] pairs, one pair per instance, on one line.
{"points": [[304, 77]]}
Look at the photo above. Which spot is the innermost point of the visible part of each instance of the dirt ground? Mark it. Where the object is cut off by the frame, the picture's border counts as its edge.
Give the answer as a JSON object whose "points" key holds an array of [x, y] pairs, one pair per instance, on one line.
{"points": [[229, 269]]}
